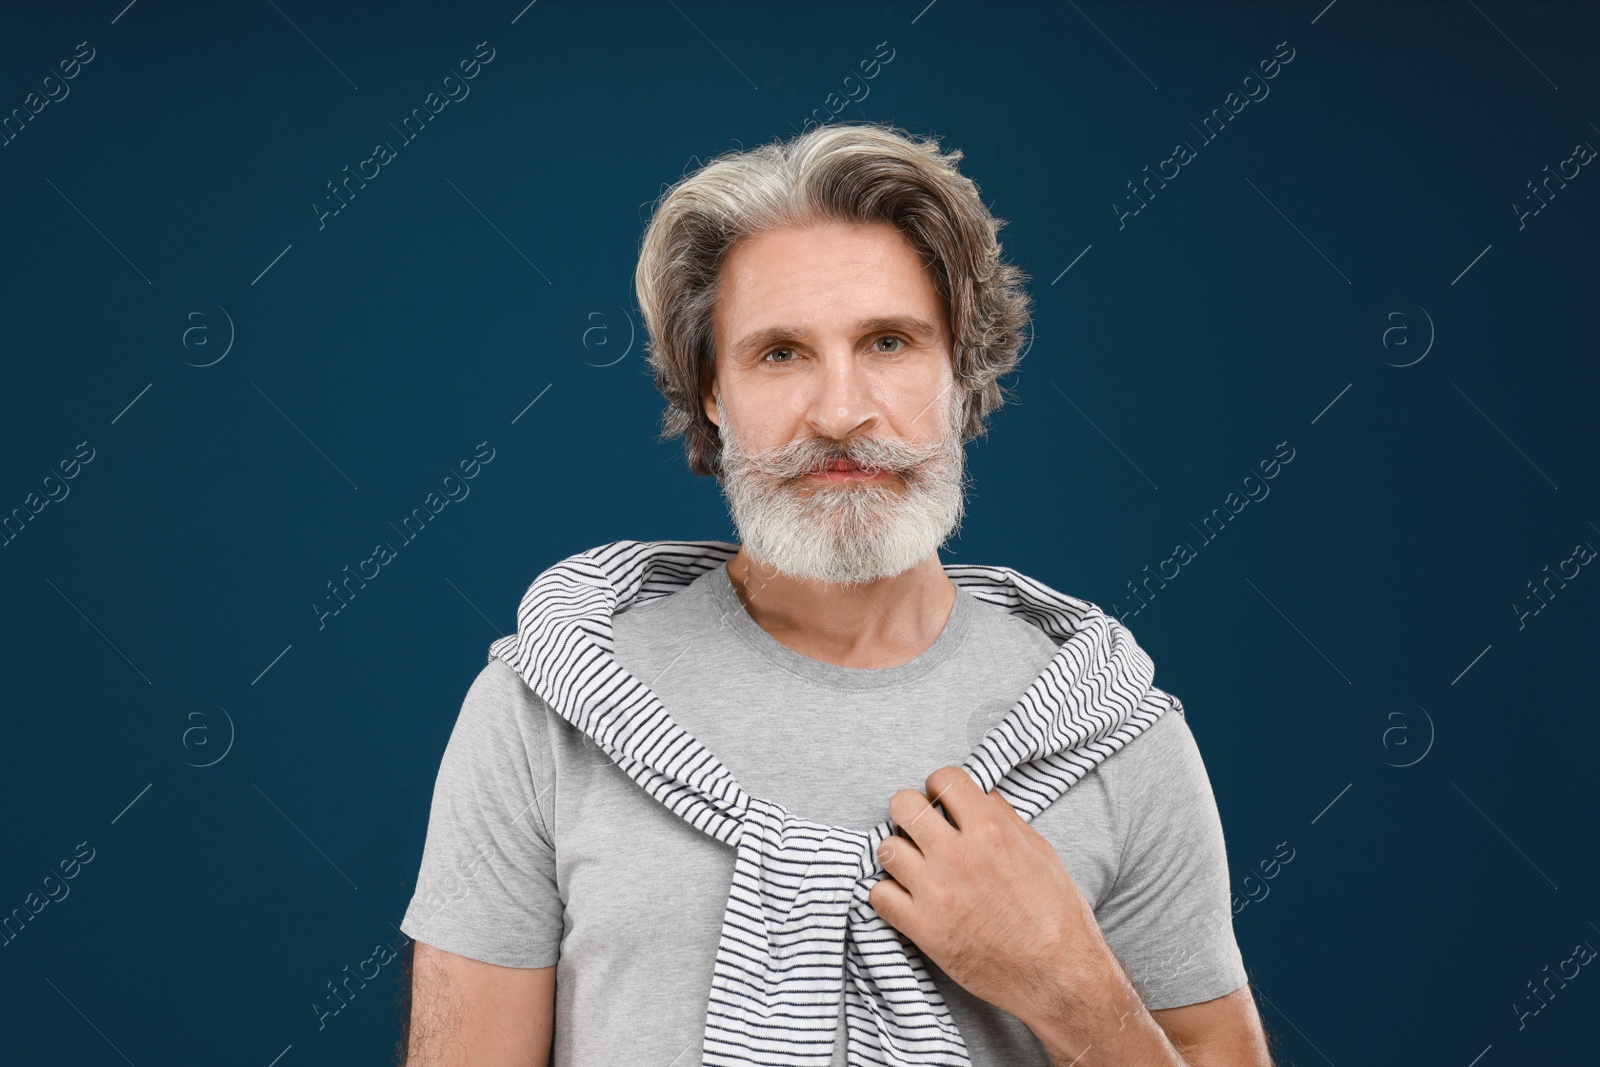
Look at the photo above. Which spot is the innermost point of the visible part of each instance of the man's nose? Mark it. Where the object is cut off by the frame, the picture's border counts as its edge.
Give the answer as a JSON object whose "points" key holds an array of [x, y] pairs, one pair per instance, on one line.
{"points": [[842, 402]]}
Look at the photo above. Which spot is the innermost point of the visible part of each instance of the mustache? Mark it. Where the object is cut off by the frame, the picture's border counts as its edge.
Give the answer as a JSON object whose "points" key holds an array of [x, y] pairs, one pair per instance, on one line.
{"points": [[801, 457]]}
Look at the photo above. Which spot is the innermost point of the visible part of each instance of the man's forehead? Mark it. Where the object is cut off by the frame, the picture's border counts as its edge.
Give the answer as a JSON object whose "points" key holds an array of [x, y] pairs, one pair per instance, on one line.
{"points": [[793, 262]]}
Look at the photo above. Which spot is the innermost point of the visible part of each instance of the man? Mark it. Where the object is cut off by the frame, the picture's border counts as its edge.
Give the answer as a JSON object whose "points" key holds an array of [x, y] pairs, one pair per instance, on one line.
{"points": [[829, 318]]}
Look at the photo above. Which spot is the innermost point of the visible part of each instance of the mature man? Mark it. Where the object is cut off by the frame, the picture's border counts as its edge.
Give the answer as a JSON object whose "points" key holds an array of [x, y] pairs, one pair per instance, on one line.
{"points": [[829, 317]]}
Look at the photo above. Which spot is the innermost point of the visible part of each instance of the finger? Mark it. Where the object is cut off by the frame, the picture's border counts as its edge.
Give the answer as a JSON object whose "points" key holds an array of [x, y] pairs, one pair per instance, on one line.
{"points": [[903, 861], [893, 904], [918, 819], [960, 796]]}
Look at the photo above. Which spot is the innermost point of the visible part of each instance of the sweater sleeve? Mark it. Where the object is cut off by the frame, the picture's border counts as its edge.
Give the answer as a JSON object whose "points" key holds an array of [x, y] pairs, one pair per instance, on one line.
{"points": [[487, 886], [1168, 915]]}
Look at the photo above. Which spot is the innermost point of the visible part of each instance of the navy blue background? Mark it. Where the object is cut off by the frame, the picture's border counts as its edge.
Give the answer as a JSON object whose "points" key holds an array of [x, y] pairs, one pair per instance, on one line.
{"points": [[1355, 667]]}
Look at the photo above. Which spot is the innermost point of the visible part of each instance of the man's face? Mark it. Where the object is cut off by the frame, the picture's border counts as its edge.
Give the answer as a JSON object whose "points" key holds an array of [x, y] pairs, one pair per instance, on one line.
{"points": [[838, 409]]}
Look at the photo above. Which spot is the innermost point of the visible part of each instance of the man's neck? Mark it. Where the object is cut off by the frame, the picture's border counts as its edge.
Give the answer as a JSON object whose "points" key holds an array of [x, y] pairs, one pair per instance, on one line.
{"points": [[878, 624]]}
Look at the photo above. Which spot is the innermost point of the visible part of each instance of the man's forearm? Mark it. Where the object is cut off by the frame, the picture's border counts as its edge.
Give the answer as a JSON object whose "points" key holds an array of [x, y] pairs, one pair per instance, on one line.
{"points": [[1099, 1020]]}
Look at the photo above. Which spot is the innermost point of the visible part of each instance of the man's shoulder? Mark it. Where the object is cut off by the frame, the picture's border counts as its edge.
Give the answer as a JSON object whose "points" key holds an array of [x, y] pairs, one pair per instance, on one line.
{"points": [[1160, 769], [1165, 747], [665, 620], [999, 628], [1164, 741], [665, 567], [499, 702], [496, 682]]}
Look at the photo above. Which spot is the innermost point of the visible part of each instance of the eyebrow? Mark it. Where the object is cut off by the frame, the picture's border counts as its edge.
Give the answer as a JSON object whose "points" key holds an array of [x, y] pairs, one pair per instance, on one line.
{"points": [[771, 335]]}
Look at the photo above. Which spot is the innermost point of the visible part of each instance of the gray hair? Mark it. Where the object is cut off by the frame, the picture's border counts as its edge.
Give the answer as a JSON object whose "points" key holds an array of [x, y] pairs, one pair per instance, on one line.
{"points": [[842, 172]]}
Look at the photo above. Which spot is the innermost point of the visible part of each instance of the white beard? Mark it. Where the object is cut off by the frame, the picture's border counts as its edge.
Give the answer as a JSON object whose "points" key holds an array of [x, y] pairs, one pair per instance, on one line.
{"points": [[845, 532]]}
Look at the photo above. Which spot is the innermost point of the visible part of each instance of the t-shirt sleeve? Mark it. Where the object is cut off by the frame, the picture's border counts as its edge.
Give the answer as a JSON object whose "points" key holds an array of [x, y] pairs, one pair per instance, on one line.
{"points": [[487, 886], [1168, 914]]}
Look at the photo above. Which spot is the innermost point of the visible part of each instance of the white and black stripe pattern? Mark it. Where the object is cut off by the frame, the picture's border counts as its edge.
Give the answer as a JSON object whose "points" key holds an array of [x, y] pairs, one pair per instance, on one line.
{"points": [[799, 932]]}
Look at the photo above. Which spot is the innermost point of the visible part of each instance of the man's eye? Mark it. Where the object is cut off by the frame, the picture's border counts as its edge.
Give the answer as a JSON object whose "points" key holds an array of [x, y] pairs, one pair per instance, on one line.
{"points": [[900, 342], [777, 350]]}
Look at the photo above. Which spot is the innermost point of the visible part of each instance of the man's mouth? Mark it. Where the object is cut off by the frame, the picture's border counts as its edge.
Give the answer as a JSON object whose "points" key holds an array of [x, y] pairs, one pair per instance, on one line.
{"points": [[843, 470]]}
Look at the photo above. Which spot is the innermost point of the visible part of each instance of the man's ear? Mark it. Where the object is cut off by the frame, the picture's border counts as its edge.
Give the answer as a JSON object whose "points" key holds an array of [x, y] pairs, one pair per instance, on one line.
{"points": [[708, 401]]}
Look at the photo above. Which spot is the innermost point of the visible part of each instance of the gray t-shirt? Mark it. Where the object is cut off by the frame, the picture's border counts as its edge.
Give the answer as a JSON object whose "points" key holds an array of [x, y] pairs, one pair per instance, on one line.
{"points": [[541, 851]]}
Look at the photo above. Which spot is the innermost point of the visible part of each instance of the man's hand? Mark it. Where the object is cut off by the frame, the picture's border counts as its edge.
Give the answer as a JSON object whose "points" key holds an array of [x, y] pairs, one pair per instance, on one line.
{"points": [[989, 901]]}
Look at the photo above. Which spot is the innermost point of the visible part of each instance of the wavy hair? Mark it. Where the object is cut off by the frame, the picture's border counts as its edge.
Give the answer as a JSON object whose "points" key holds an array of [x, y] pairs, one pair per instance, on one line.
{"points": [[841, 172]]}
